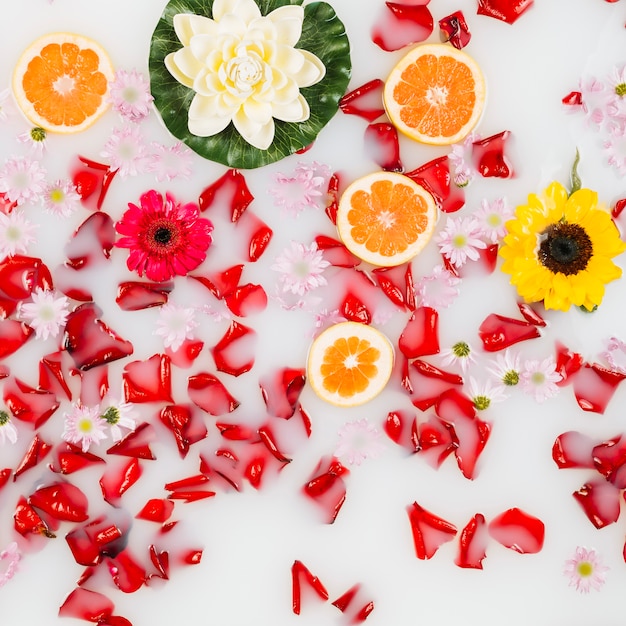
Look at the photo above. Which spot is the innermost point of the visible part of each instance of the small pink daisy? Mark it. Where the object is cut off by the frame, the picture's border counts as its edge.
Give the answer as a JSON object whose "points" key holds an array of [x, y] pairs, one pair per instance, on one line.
{"points": [[85, 426], [492, 218], [300, 268], [46, 314], [35, 139], [175, 325], [615, 354], [539, 378], [22, 180], [359, 440], [126, 151], [616, 83], [615, 147], [170, 162], [61, 199], [118, 415], [460, 240], [461, 159], [15, 233], [438, 289], [585, 570], [461, 353], [165, 238], [9, 559], [130, 95], [506, 369], [8, 432]]}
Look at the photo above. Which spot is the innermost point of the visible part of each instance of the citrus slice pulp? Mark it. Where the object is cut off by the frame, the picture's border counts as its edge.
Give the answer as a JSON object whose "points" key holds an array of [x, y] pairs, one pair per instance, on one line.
{"points": [[61, 82], [435, 94], [385, 218], [349, 364]]}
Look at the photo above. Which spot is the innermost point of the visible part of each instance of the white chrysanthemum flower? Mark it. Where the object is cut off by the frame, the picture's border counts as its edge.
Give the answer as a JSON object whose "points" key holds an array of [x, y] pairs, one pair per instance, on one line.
{"points": [[175, 324], [15, 233], [118, 415], [46, 314], [244, 68]]}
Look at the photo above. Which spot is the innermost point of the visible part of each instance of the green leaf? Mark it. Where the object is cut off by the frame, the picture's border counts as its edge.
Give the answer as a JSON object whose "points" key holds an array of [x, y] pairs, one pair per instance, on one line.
{"points": [[323, 34], [575, 178]]}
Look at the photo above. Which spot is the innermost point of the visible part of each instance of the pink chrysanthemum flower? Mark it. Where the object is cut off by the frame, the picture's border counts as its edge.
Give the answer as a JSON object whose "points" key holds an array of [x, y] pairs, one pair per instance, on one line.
{"points": [[22, 180], [506, 368], [615, 354], [461, 353], [35, 139], [491, 219], [437, 289], [539, 378], [460, 240], [326, 317], [126, 151], [165, 238], [8, 432], [175, 325], [301, 268], [60, 198], [130, 95], [170, 162], [118, 415], [484, 394], [301, 191], [616, 84], [461, 159], [359, 440], [9, 560], [46, 314], [15, 233], [585, 570], [84, 426], [615, 147]]}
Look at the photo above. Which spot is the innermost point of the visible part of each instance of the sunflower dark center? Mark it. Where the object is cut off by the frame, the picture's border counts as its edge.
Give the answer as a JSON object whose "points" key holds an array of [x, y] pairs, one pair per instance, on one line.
{"points": [[565, 248], [162, 235]]}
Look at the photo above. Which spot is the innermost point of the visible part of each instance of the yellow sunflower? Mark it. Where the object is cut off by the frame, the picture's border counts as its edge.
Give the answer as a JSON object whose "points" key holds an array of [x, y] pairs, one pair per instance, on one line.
{"points": [[559, 247]]}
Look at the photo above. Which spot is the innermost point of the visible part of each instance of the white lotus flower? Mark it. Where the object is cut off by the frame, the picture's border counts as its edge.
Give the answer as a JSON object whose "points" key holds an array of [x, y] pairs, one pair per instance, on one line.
{"points": [[244, 68]]}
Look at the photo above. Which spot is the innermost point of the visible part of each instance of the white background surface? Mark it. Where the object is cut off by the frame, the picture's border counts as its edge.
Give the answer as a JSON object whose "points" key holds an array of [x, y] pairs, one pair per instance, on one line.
{"points": [[251, 539]]}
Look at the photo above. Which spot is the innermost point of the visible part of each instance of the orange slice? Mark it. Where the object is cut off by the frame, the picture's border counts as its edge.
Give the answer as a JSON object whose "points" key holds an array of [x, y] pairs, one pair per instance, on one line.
{"points": [[435, 94], [349, 364], [386, 218], [61, 82]]}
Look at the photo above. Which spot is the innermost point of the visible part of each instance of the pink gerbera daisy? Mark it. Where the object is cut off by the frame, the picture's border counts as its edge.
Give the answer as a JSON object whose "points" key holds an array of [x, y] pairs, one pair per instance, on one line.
{"points": [[165, 238]]}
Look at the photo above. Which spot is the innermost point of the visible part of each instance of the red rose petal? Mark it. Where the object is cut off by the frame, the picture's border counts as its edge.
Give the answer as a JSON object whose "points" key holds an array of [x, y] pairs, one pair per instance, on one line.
{"points": [[429, 531], [34, 406], [246, 300], [186, 355], [573, 449], [157, 510], [490, 158], [574, 98], [365, 101], [397, 284], [234, 352], [594, 386], [207, 391], [332, 199], [62, 501], [91, 606], [335, 252], [281, 391], [92, 181], [567, 363], [90, 342], [327, 488], [600, 501], [136, 296], [230, 189], [609, 458], [161, 561], [300, 574], [473, 543], [420, 336], [136, 444], [118, 479], [21, 275], [436, 440], [186, 426], [36, 452], [530, 315], [13, 335], [346, 604], [221, 283], [27, 521], [127, 574], [382, 146], [401, 428], [149, 380], [71, 458], [435, 177], [506, 10], [518, 531], [455, 30], [401, 24], [259, 239], [498, 332], [52, 370], [426, 383], [103, 536]]}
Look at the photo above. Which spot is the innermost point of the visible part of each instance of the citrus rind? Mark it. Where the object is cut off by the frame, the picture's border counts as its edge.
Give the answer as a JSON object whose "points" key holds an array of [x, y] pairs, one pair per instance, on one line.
{"points": [[346, 330]]}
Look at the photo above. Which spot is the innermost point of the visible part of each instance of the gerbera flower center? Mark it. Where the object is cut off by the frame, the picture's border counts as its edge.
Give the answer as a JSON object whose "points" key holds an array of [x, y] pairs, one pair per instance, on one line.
{"points": [[461, 350], [565, 248], [4, 418], [163, 235], [111, 415], [585, 569]]}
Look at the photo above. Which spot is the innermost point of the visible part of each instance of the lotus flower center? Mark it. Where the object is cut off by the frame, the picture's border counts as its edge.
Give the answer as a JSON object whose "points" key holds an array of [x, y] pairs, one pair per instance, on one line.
{"points": [[244, 72]]}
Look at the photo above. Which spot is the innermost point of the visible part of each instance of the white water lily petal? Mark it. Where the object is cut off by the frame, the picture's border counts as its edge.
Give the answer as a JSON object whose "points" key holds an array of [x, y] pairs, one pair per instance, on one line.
{"points": [[186, 25], [258, 135], [233, 25], [311, 72], [247, 9], [172, 64], [259, 112], [288, 21], [288, 59], [294, 111], [204, 121]]}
